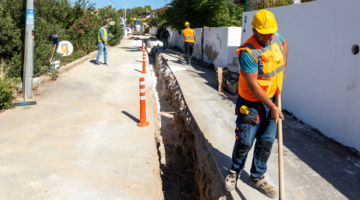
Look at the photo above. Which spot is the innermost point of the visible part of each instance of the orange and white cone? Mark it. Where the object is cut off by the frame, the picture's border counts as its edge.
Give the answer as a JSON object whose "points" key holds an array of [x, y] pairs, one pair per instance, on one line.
{"points": [[144, 61], [143, 121]]}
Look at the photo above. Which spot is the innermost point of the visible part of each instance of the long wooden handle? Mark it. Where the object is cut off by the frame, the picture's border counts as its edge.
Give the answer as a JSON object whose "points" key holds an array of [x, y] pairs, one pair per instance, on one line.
{"points": [[26, 59], [281, 156], [52, 55]]}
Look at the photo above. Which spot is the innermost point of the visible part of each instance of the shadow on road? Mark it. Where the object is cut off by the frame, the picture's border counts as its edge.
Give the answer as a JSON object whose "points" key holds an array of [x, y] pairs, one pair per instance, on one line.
{"points": [[131, 116]]}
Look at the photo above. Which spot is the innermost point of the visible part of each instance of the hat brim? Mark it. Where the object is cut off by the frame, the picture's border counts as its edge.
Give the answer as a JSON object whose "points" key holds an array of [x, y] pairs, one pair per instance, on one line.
{"points": [[267, 31]]}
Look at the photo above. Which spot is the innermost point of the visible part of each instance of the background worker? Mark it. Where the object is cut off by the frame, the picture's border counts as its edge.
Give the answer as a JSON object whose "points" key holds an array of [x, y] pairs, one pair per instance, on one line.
{"points": [[262, 65], [190, 38], [165, 37], [102, 42]]}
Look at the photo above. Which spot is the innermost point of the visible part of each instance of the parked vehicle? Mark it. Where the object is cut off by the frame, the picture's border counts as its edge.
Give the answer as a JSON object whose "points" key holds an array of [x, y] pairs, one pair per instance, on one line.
{"points": [[138, 27]]}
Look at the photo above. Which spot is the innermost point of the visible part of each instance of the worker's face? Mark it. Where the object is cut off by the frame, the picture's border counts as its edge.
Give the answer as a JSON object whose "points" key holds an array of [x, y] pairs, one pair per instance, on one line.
{"points": [[106, 26], [263, 39]]}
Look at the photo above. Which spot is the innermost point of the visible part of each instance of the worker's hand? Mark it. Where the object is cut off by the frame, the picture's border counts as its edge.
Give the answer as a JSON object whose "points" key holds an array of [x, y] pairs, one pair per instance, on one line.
{"points": [[276, 114], [106, 43]]}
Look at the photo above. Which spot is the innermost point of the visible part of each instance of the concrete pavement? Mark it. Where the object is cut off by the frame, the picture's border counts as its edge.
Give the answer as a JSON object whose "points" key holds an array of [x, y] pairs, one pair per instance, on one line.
{"points": [[81, 140], [316, 167]]}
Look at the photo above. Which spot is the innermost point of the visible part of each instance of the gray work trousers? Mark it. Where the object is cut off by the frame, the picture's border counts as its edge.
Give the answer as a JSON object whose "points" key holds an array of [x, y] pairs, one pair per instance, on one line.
{"points": [[165, 42]]}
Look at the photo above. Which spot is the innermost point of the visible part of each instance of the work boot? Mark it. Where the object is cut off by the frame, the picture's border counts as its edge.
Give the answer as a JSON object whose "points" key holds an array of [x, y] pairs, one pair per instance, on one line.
{"points": [[263, 186], [231, 180]]}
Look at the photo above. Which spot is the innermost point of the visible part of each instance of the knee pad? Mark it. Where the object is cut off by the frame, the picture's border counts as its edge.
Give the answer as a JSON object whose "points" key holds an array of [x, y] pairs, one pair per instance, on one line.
{"points": [[263, 150], [242, 150]]}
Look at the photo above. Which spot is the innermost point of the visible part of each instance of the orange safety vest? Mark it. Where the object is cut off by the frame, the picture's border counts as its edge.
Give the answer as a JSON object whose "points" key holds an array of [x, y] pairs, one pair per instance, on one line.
{"points": [[189, 35], [271, 67]]}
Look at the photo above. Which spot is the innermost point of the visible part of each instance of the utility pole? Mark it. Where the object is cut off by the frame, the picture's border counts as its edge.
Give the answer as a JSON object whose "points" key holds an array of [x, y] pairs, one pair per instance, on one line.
{"points": [[28, 71], [84, 7], [125, 13]]}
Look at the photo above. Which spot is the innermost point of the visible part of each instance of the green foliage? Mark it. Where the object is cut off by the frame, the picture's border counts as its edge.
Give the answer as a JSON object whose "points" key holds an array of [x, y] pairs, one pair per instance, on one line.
{"points": [[134, 12], [74, 56], [6, 94], [83, 34], [200, 13], [147, 29], [160, 28], [270, 4], [51, 17], [155, 21]]}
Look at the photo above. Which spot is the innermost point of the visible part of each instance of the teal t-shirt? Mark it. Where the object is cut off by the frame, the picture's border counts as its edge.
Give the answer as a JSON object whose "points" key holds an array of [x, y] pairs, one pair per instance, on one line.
{"points": [[247, 62]]}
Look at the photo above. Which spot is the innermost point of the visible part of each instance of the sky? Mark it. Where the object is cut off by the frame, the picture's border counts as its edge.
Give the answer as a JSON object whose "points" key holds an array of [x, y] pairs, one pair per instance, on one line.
{"points": [[134, 3]]}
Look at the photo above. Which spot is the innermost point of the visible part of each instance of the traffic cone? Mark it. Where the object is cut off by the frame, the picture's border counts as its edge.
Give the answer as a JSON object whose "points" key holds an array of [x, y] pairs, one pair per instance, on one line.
{"points": [[143, 121], [144, 62]]}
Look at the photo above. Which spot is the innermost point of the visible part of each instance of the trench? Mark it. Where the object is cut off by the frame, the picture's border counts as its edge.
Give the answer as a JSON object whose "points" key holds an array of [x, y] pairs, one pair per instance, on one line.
{"points": [[187, 169]]}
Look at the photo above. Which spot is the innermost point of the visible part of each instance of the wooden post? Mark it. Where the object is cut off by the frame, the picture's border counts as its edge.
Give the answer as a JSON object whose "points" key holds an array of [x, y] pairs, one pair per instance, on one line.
{"points": [[281, 156]]}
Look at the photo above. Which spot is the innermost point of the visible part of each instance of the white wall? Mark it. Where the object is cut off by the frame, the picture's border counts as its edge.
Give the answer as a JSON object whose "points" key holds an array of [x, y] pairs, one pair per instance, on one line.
{"points": [[215, 45], [177, 40], [321, 86], [234, 42], [197, 47], [153, 30]]}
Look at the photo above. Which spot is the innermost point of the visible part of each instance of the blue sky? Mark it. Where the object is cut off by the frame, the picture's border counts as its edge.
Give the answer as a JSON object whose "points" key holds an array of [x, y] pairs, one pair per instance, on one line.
{"points": [[134, 3]]}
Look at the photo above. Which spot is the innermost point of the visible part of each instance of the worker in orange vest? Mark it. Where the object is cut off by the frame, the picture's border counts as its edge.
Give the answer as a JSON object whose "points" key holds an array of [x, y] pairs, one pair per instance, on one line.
{"points": [[262, 61], [190, 38]]}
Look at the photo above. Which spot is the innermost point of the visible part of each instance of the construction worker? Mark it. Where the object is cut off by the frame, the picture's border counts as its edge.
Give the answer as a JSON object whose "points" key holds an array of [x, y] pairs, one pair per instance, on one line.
{"points": [[102, 43], [190, 38], [262, 61], [165, 35]]}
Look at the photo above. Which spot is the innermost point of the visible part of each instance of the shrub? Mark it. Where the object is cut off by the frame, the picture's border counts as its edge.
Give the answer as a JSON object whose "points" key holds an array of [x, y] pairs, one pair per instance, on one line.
{"points": [[50, 17], [83, 34], [6, 94]]}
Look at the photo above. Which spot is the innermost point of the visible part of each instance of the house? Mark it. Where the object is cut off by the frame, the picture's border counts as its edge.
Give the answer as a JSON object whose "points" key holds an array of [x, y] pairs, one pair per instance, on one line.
{"points": [[151, 13]]}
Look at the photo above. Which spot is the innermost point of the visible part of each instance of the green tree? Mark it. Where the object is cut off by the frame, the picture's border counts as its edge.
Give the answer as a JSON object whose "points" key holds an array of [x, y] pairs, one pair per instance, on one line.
{"points": [[147, 7], [200, 13]]}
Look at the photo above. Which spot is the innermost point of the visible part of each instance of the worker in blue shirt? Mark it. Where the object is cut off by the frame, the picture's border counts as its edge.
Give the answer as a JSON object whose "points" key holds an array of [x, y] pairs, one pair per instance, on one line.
{"points": [[102, 42]]}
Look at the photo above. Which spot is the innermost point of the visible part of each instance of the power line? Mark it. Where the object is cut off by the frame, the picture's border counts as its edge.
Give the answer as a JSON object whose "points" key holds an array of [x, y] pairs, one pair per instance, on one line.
{"points": [[116, 4]]}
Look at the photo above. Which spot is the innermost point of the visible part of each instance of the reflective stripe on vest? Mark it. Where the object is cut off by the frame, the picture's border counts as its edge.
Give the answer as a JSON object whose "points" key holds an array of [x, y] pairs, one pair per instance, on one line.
{"points": [[270, 67], [189, 35], [99, 35]]}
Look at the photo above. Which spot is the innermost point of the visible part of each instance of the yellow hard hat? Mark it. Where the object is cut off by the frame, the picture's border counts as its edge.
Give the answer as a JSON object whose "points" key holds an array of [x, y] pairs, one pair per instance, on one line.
{"points": [[264, 22], [187, 23]]}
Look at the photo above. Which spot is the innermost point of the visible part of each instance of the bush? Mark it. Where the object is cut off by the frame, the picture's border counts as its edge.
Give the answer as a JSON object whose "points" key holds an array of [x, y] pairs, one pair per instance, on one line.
{"points": [[6, 94], [50, 17], [83, 34], [147, 30], [160, 28]]}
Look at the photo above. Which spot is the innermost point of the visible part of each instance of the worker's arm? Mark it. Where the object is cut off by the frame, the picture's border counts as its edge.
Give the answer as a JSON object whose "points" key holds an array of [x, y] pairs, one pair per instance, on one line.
{"points": [[102, 37], [104, 41], [285, 49], [254, 87]]}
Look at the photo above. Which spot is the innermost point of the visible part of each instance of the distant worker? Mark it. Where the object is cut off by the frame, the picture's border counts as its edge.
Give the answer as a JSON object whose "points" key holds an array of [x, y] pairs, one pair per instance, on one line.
{"points": [[262, 61], [190, 38], [102, 43], [165, 35]]}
